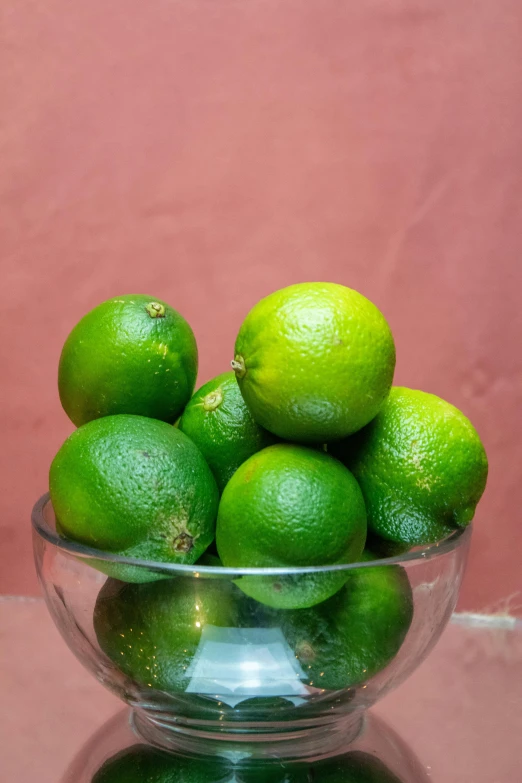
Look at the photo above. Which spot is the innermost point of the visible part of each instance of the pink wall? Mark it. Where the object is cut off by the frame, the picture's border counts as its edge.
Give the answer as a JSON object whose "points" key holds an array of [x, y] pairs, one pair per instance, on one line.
{"points": [[210, 152]]}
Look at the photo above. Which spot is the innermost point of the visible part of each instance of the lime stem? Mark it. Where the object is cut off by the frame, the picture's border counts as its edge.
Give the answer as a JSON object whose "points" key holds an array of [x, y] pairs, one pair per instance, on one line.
{"points": [[213, 400], [238, 365], [183, 543], [155, 310]]}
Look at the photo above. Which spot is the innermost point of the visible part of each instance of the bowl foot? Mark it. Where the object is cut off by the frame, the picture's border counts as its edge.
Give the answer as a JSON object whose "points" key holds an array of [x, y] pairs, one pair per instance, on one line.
{"points": [[298, 740]]}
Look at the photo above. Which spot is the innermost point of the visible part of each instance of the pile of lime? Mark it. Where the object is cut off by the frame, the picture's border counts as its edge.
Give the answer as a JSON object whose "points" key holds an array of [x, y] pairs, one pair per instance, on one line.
{"points": [[304, 455]]}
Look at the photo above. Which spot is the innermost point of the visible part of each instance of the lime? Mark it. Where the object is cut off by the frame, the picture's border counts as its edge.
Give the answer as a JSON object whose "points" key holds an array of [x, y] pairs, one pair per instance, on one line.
{"points": [[131, 354], [136, 487], [354, 634], [145, 764], [285, 506], [421, 466], [222, 427], [314, 361], [153, 631]]}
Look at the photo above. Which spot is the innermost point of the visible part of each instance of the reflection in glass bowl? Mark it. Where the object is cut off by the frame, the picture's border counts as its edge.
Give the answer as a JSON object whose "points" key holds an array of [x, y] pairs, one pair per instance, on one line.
{"points": [[207, 669]]}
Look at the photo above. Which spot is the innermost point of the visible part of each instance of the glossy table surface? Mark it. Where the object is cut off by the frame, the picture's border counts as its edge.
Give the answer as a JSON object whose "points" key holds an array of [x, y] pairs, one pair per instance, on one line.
{"points": [[460, 712]]}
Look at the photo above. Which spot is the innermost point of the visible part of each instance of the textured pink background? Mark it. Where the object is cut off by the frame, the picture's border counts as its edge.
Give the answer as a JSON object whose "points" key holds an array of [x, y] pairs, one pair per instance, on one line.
{"points": [[210, 152]]}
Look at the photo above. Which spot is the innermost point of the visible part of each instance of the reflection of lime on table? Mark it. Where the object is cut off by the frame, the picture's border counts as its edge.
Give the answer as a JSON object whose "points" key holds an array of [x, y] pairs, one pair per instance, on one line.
{"points": [[144, 764]]}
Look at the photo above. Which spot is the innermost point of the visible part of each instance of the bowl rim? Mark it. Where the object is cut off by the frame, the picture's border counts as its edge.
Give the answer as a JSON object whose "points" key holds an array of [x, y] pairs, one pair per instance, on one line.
{"points": [[41, 527]]}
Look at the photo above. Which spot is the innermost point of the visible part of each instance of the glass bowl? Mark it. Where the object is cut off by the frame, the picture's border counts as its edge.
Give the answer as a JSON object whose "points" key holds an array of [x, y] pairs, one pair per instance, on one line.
{"points": [[207, 669], [377, 755]]}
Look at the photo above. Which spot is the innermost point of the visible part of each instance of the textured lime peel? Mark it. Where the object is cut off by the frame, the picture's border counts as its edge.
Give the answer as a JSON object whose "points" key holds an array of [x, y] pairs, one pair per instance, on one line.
{"points": [[314, 362], [218, 421], [129, 355], [421, 467]]}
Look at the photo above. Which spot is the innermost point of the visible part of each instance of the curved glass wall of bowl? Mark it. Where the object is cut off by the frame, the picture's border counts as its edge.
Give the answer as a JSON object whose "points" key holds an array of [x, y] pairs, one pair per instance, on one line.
{"points": [[375, 749], [200, 662]]}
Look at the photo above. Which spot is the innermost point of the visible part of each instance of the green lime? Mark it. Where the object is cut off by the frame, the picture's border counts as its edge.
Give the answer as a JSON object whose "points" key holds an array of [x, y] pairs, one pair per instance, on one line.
{"points": [[286, 506], [136, 487], [354, 634], [154, 632], [131, 354], [222, 427], [421, 466], [314, 361], [145, 764]]}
